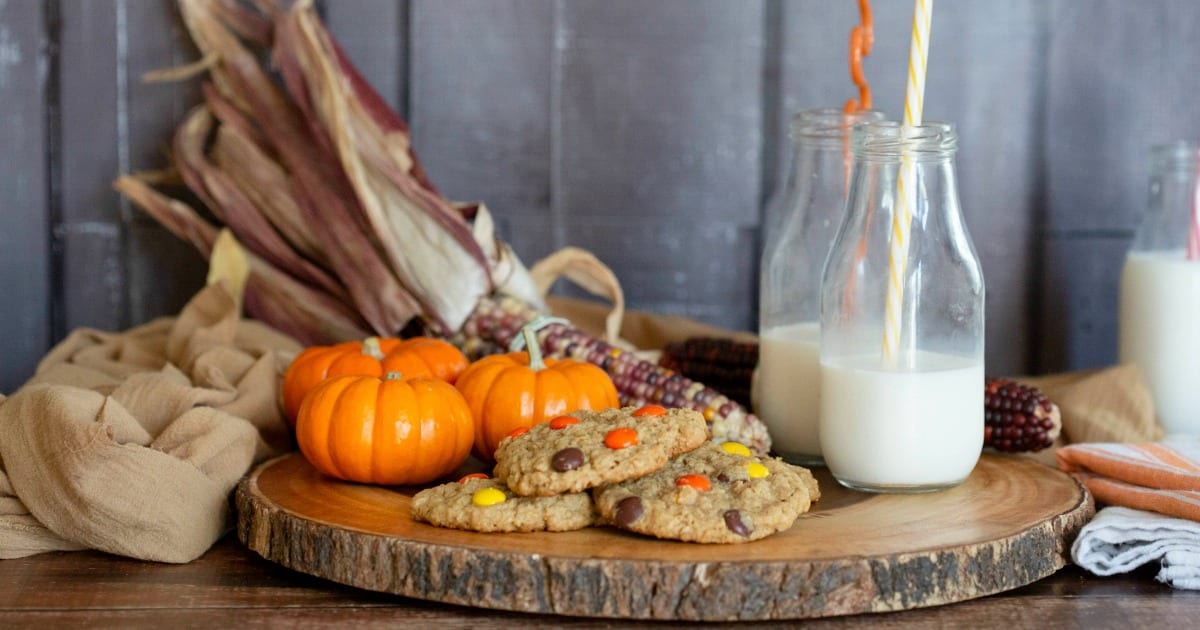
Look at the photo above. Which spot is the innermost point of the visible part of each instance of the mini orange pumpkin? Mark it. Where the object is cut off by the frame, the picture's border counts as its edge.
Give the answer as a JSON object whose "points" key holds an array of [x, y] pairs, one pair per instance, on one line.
{"points": [[519, 389], [394, 430], [419, 356]]}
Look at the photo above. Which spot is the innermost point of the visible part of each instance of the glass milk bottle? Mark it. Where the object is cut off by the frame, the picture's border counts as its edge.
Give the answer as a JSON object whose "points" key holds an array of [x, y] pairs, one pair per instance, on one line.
{"points": [[1159, 317], [800, 224], [902, 403]]}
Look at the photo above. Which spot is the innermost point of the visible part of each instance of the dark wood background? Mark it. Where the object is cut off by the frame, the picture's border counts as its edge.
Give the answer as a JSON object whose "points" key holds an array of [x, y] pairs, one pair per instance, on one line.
{"points": [[648, 132]]}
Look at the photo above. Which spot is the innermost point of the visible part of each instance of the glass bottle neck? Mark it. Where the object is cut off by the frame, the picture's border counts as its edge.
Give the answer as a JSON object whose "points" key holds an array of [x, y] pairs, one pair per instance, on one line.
{"points": [[1164, 228], [887, 178], [814, 173], [902, 283], [804, 217], [820, 156]]}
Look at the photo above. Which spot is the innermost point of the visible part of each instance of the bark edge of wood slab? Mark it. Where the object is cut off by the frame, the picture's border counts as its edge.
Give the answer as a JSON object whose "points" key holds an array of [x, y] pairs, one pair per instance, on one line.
{"points": [[1011, 523]]}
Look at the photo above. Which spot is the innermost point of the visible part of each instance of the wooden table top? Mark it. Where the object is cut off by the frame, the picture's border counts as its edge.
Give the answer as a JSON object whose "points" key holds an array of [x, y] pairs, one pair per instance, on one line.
{"points": [[232, 585]]}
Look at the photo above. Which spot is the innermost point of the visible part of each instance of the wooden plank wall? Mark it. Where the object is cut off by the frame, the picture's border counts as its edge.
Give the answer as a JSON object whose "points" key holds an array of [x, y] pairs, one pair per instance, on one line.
{"points": [[648, 132], [26, 262], [1122, 77]]}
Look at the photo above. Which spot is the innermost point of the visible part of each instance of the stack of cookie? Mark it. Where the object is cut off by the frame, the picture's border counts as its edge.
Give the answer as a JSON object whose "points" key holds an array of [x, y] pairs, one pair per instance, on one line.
{"points": [[649, 470]]}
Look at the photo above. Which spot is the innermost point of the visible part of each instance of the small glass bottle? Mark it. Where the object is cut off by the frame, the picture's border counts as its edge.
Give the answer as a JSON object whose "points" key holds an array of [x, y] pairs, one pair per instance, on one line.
{"points": [[1159, 317], [800, 224], [908, 419]]}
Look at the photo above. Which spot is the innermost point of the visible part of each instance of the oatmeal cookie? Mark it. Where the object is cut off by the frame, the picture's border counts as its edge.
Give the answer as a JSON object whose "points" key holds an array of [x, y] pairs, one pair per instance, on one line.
{"points": [[481, 504], [588, 448], [714, 494]]}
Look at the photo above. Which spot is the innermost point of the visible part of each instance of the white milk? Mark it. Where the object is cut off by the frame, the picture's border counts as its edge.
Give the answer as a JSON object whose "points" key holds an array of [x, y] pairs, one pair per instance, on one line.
{"points": [[1160, 330], [897, 430], [788, 389]]}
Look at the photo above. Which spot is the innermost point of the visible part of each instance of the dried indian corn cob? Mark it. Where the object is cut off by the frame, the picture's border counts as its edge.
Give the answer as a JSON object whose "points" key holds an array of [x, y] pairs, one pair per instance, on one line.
{"points": [[728, 352], [498, 319], [724, 364], [1018, 417]]}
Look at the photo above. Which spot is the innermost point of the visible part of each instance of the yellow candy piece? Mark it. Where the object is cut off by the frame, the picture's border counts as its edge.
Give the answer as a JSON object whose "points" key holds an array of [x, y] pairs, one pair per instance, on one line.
{"points": [[733, 448], [757, 470], [488, 496]]}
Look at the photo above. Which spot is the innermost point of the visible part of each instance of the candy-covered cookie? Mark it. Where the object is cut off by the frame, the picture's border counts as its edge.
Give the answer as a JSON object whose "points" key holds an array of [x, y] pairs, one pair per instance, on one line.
{"points": [[481, 504], [588, 448], [714, 494]]}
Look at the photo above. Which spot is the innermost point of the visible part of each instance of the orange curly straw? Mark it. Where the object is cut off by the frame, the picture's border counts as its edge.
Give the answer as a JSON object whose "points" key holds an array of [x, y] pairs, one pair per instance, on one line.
{"points": [[862, 37]]}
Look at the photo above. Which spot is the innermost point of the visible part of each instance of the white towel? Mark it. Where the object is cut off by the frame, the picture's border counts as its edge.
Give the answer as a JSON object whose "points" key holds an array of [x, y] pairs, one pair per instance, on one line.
{"points": [[1120, 539]]}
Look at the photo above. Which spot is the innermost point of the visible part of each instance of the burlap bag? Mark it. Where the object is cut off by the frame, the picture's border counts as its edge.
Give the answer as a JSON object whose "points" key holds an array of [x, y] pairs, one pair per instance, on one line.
{"points": [[1112, 404], [131, 442], [1109, 405]]}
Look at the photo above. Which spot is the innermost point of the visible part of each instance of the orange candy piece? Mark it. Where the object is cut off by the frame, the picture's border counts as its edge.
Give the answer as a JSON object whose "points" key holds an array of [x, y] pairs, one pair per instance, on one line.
{"points": [[621, 438], [651, 410], [563, 422], [697, 482], [517, 432], [471, 476]]}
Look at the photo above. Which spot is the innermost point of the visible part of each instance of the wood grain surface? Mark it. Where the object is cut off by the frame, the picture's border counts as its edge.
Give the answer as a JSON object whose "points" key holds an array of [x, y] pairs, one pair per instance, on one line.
{"points": [[1006, 526]]}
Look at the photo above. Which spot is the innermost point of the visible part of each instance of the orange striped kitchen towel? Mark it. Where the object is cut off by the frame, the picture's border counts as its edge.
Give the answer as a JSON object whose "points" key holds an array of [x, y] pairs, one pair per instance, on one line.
{"points": [[1161, 477]]}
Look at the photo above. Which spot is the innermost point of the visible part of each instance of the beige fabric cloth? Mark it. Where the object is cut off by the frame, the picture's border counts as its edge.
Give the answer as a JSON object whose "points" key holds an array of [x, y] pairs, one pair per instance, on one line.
{"points": [[131, 442], [1113, 404]]}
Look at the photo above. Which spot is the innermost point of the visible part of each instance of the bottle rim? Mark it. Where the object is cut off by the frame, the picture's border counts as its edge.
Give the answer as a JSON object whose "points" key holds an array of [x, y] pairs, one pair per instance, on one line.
{"points": [[888, 140], [828, 125]]}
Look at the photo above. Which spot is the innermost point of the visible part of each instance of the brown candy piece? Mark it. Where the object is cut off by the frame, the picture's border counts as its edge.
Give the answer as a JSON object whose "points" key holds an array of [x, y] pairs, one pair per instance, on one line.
{"points": [[733, 520], [628, 510], [567, 459]]}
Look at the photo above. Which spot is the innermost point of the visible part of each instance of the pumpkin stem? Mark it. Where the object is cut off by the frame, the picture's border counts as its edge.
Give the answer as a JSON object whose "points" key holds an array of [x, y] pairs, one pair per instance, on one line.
{"points": [[393, 376], [371, 348], [535, 351]]}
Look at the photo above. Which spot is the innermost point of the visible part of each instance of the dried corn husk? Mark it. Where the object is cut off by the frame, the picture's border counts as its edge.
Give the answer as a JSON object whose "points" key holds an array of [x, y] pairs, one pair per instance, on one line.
{"points": [[319, 187], [229, 202], [309, 315], [425, 240]]}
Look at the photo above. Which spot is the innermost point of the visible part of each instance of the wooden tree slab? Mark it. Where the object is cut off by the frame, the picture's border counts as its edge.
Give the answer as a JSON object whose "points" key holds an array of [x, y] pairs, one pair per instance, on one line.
{"points": [[1009, 524]]}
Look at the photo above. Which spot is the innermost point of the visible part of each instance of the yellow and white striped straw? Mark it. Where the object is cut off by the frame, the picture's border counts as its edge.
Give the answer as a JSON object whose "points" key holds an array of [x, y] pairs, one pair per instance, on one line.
{"points": [[914, 100]]}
